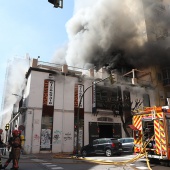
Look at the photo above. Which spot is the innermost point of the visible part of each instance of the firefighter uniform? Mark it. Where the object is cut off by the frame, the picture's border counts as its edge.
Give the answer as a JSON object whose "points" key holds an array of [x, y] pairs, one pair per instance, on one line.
{"points": [[15, 143]]}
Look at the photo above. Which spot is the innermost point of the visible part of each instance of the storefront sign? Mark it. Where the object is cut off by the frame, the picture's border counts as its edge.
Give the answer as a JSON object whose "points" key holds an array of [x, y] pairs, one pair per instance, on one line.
{"points": [[48, 98], [78, 92], [94, 98]]}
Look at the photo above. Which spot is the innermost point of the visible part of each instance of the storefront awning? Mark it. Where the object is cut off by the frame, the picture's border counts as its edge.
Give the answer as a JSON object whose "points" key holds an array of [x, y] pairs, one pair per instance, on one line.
{"points": [[133, 127]]}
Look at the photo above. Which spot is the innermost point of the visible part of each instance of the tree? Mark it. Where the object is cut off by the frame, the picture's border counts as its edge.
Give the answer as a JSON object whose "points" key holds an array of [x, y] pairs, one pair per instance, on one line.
{"points": [[122, 112]]}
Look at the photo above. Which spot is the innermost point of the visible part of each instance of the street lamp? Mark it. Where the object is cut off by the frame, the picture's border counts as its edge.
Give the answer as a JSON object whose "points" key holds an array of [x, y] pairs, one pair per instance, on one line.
{"points": [[111, 77]]}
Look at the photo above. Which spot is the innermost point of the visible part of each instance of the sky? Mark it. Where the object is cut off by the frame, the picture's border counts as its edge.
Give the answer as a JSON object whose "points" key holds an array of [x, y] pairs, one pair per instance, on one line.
{"points": [[31, 27], [84, 32]]}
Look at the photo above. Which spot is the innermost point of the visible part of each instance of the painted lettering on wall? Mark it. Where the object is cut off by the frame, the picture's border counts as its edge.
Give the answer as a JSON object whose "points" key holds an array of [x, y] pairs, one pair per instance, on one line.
{"points": [[67, 136]]}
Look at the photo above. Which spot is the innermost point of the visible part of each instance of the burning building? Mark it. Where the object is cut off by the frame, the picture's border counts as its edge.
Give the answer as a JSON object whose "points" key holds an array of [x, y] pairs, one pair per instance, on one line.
{"points": [[115, 41]]}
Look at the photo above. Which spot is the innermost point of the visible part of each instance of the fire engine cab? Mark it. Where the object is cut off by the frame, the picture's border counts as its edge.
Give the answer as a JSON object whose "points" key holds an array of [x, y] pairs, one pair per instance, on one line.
{"points": [[152, 125]]}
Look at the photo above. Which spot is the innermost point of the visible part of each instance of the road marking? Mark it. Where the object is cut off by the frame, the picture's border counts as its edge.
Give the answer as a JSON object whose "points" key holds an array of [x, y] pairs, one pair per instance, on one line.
{"points": [[47, 163], [38, 160], [57, 168], [142, 167], [50, 165]]}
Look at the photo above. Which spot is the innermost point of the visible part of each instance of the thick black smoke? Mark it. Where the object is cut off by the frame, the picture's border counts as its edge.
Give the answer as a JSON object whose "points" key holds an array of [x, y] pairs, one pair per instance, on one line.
{"points": [[111, 31]]}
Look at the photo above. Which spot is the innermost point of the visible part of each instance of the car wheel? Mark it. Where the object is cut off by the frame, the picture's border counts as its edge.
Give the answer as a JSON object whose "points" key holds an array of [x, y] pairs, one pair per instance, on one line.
{"points": [[108, 152], [84, 153]]}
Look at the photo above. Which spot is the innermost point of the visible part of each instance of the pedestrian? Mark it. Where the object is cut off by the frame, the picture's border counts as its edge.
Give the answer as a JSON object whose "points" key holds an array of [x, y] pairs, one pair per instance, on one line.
{"points": [[15, 144]]}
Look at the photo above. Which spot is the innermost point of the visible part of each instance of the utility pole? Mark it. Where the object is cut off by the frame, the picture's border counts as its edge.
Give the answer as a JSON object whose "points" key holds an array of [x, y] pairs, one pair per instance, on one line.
{"points": [[111, 77]]}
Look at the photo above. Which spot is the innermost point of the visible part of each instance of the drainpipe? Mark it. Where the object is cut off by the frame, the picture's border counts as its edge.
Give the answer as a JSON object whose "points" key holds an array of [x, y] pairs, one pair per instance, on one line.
{"points": [[29, 147], [62, 145]]}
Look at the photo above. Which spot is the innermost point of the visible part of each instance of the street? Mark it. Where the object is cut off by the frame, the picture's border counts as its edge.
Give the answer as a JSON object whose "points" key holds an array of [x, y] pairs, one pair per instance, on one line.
{"points": [[89, 163]]}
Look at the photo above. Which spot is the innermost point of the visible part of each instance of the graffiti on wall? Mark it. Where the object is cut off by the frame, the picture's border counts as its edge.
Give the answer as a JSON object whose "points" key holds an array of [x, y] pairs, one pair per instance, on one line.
{"points": [[57, 137], [36, 137], [67, 136], [46, 138]]}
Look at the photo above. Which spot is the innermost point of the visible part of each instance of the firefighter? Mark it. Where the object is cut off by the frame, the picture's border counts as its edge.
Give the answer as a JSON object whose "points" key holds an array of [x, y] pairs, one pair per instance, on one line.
{"points": [[15, 144], [10, 153]]}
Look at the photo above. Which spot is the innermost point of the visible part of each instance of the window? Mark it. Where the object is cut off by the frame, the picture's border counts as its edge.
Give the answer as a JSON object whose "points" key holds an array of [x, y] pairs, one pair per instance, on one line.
{"points": [[95, 142], [146, 100], [166, 76], [101, 141], [168, 125]]}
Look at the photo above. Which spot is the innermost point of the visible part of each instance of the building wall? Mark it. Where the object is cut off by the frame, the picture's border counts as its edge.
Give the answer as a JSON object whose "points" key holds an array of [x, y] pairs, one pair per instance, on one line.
{"points": [[91, 118], [63, 117], [63, 132]]}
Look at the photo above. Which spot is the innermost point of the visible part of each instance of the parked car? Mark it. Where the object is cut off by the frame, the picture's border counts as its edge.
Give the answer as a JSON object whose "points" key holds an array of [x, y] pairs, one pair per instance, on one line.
{"points": [[107, 146], [127, 144]]}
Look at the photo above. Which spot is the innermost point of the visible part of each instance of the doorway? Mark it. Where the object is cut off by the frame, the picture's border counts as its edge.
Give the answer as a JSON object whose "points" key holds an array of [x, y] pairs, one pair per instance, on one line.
{"points": [[105, 131]]}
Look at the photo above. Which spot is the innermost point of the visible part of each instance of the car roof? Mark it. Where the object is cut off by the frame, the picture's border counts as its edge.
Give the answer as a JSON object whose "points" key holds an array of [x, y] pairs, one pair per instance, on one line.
{"points": [[127, 138], [106, 138]]}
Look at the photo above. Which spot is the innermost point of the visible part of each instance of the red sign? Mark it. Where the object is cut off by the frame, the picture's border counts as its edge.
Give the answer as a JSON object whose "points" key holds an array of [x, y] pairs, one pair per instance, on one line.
{"points": [[48, 98]]}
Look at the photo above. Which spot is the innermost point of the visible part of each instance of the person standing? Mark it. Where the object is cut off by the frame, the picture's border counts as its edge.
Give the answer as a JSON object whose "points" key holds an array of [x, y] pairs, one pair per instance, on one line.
{"points": [[15, 144], [10, 153]]}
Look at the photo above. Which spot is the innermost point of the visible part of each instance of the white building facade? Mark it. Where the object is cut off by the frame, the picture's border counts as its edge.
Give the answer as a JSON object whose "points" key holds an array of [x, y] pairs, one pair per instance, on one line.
{"points": [[51, 101]]}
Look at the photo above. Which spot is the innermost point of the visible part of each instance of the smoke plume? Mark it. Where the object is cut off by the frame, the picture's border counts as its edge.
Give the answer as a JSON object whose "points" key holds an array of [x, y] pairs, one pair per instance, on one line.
{"points": [[15, 83], [105, 31]]}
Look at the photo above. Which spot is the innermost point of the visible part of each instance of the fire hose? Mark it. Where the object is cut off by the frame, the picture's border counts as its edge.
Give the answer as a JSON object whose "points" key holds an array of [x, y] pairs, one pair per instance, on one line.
{"points": [[143, 153]]}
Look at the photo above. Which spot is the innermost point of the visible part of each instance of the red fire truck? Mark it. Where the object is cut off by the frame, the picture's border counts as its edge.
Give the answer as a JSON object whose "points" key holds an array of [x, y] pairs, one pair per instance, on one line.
{"points": [[153, 125]]}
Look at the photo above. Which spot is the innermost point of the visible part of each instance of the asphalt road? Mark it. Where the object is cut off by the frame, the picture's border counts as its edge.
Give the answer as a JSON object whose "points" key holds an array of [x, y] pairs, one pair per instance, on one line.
{"points": [[90, 163]]}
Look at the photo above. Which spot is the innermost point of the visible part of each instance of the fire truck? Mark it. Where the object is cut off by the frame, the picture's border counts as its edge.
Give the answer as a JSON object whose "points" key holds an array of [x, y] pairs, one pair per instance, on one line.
{"points": [[153, 125]]}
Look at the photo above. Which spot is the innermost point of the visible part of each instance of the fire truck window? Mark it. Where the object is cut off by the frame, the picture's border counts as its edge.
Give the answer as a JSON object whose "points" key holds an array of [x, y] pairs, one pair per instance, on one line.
{"points": [[136, 134], [168, 125], [148, 130]]}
